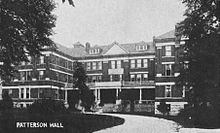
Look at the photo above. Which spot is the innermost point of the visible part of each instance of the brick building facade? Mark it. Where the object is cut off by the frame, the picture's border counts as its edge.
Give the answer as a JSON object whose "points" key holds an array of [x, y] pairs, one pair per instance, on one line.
{"points": [[144, 72]]}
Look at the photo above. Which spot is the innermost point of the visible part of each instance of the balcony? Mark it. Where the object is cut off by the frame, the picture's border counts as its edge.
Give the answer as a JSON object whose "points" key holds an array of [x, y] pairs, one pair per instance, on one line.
{"points": [[116, 71], [121, 84], [137, 83]]}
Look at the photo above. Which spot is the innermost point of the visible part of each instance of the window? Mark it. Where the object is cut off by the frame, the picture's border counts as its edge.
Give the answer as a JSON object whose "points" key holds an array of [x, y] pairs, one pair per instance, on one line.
{"points": [[93, 65], [138, 77], [139, 63], [41, 59], [167, 50], [132, 77], [70, 65], [99, 65], [141, 47], [118, 64], [113, 64], [145, 62], [28, 75], [88, 65], [27, 93], [22, 75], [132, 64], [99, 78], [93, 78], [145, 77], [41, 75], [168, 69], [22, 92], [168, 91], [25, 75], [94, 51]]}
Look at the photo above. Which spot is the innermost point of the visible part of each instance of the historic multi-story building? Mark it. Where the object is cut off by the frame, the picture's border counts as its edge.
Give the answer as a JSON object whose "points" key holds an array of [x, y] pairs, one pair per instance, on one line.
{"points": [[143, 72], [168, 53]]}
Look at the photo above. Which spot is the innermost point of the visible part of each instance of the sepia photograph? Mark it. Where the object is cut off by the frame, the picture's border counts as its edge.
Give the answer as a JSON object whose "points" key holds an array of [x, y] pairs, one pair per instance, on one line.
{"points": [[109, 66]]}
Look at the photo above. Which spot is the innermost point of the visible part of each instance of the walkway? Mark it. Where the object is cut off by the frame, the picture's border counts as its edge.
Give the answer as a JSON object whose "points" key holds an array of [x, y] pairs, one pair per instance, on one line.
{"points": [[144, 124]]}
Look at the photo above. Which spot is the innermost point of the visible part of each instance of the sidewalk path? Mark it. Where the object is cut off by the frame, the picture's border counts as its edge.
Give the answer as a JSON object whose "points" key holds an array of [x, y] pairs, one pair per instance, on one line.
{"points": [[145, 124], [141, 124]]}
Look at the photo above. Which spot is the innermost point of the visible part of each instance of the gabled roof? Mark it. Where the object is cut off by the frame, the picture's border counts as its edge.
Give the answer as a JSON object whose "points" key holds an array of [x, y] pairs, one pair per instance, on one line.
{"points": [[170, 34], [129, 48]]}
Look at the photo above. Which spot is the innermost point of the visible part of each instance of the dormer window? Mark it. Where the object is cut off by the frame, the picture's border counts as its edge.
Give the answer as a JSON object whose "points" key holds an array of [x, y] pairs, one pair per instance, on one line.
{"points": [[141, 47], [94, 51]]}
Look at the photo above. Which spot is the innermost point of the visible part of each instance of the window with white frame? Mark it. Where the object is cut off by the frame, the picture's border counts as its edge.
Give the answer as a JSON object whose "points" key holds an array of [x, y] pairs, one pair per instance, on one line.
{"points": [[138, 77], [145, 62], [168, 68], [168, 91], [99, 65], [113, 64], [118, 63], [132, 77], [41, 75], [139, 63], [93, 65], [94, 51], [168, 51], [41, 59], [145, 77], [88, 65], [132, 64], [22, 92]]}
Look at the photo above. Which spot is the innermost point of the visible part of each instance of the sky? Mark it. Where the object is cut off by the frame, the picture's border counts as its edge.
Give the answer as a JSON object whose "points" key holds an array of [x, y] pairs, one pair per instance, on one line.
{"points": [[102, 22]]}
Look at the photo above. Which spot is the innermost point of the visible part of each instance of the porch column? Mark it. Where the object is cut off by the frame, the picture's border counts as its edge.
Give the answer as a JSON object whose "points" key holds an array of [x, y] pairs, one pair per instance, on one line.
{"points": [[24, 92], [117, 90], [120, 77], [96, 94], [65, 95], [19, 92], [140, 96]]}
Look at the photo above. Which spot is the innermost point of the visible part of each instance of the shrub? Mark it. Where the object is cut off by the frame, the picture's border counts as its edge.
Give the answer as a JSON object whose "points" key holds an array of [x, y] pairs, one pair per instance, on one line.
{"points": [[163, 108], [47, 107], [6, 103], [201, 116]]}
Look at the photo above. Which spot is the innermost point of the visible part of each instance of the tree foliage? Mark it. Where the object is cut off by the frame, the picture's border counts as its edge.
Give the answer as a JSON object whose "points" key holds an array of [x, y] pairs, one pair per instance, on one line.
{"points": [[25, 27], [202, 50], [79, 81], [6, 103]]}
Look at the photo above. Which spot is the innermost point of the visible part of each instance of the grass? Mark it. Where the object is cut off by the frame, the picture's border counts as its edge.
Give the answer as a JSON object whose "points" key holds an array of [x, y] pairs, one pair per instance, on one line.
{"points": [[71, 122]]}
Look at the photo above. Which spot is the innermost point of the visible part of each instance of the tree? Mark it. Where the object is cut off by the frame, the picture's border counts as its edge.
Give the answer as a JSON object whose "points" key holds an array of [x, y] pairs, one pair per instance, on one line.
{"points": [[25, 27], [79, 81], [201, 77], [6, 102]]}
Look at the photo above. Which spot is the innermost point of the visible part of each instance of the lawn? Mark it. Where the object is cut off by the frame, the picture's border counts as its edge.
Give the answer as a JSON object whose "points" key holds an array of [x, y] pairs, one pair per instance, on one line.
{"points": [[20, 121]]}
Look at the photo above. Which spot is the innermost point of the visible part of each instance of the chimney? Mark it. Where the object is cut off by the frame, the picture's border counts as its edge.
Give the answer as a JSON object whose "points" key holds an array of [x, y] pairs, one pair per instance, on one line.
{"points": [[87, 46]]}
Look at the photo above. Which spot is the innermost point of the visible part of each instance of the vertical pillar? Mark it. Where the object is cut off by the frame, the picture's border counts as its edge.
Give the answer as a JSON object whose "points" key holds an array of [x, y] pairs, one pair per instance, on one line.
{"points": [[99, 95], [19, 92], [65, 95], [0, 88], [120, 77], [183, 91], [96, 94], [140, 96], [117, 93]]}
